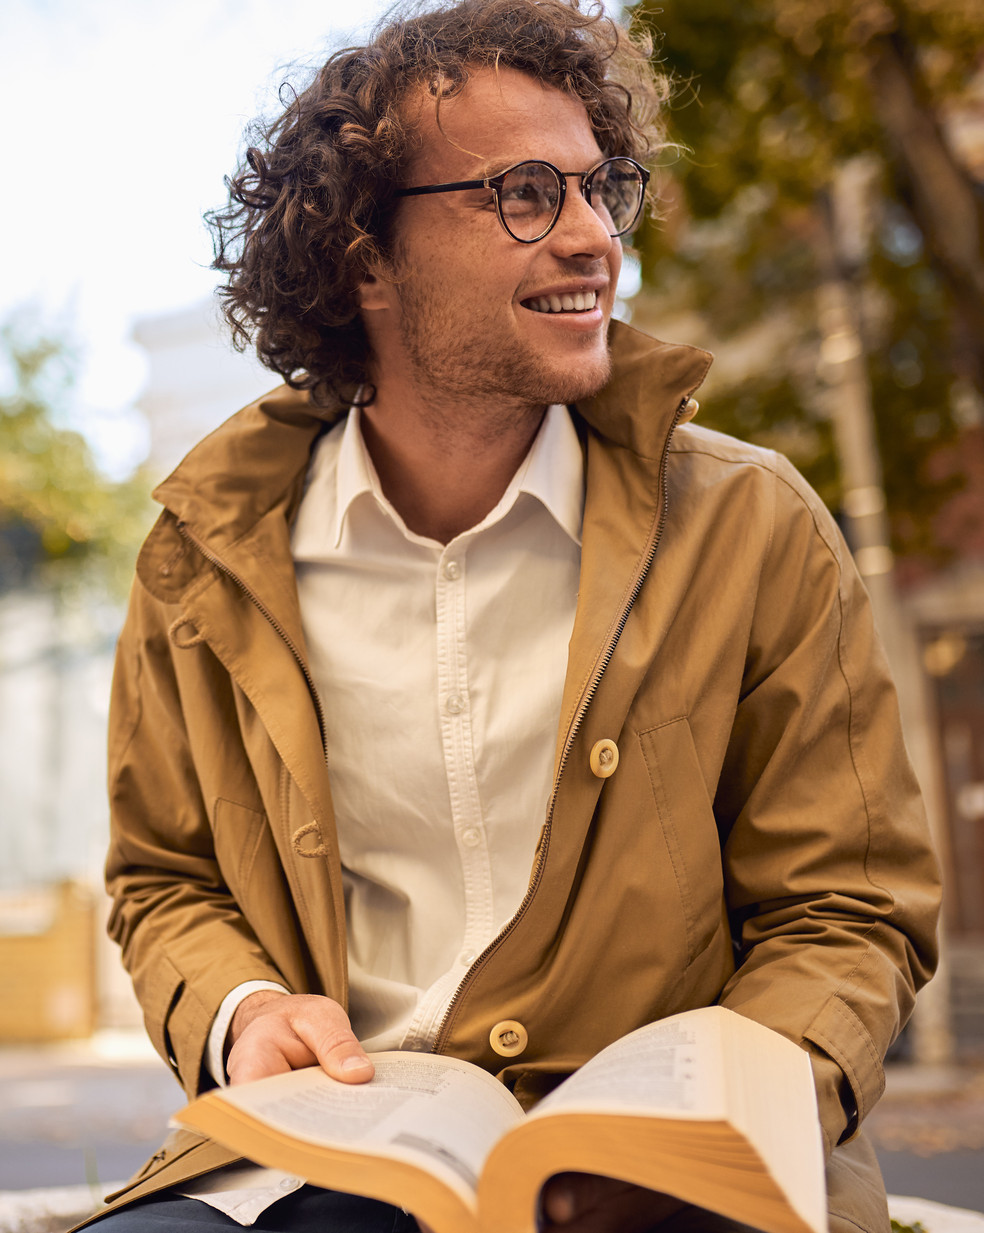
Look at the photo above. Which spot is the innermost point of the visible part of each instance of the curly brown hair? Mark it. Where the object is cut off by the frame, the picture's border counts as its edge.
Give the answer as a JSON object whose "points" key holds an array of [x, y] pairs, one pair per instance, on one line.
{"points": [[309, 206]]}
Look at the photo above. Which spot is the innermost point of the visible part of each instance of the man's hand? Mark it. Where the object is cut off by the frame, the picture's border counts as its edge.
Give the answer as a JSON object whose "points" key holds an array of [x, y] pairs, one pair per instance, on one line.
{"points": [[584, 1203], [272, 1033]]}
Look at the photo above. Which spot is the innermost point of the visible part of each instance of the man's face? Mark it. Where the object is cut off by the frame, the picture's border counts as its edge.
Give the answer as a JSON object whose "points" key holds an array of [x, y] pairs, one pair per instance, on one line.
{"points": [[464, 315]]}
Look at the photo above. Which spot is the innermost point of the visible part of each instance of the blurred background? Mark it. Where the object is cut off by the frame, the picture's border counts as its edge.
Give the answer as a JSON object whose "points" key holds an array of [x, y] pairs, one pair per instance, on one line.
{"points": [[822, 232]]}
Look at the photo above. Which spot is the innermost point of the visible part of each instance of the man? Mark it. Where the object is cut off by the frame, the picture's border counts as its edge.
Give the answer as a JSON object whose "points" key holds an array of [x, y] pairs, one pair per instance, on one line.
{"points": [[470, 700]]}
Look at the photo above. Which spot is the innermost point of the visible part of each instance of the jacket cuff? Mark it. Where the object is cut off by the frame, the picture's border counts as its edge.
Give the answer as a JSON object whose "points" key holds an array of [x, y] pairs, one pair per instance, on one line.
{"points": [[836, 1105], [847, 1071]]}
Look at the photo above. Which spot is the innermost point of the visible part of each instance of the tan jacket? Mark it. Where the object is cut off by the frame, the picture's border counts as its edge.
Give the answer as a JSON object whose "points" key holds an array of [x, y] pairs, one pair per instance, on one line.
{"points": [[762, 812]]}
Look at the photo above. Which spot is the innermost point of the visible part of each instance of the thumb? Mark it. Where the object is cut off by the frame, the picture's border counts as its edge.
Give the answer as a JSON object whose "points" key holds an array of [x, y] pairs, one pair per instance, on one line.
{"points": [[329, 1036]]}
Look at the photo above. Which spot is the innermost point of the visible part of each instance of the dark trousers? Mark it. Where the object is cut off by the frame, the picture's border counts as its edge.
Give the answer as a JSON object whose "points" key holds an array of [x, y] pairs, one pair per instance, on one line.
{"points": [[308, 1210]]}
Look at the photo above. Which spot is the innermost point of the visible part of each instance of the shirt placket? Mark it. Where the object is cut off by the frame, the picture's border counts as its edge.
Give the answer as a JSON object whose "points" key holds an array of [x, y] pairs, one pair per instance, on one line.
{"points": [[459, 742]]}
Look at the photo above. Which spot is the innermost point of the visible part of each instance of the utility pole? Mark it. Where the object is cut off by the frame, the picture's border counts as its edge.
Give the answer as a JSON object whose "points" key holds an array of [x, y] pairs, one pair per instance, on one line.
{"points": [[842, 211]]}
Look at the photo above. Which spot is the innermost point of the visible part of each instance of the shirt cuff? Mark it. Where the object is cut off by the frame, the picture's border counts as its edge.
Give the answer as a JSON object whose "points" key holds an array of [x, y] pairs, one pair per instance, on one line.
{"points": [[215, 1050]]}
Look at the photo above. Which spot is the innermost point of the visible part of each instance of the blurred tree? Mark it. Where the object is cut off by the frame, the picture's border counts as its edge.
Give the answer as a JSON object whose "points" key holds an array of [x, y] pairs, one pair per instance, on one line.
{"points": [[61, 520], [783, 107]]}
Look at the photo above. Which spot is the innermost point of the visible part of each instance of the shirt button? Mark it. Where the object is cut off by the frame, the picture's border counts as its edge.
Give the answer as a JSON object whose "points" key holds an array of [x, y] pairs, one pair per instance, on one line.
{"points": [[452, 571], [509, 1037], [471, 837], [603, 758], [468, 958], [455, 704]]}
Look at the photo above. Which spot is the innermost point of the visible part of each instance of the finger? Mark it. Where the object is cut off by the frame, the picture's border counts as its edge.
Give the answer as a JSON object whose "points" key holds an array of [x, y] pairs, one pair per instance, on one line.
{"points": [[558, 1199], [256, 1059], [323, 1027], [567, 1196], [269, 1046]]}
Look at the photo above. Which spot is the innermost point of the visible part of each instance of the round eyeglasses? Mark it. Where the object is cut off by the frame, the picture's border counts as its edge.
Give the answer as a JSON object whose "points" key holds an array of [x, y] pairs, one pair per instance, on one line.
{"points": [[529, 196]]}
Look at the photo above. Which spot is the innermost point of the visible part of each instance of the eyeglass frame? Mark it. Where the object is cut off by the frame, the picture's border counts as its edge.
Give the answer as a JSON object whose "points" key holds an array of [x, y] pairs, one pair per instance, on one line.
{"points": [[495, 184]]}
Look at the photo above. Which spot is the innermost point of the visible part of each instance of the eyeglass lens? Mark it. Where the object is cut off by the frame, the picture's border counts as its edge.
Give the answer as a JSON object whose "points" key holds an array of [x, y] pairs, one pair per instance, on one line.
{"points": [[530, 194]]}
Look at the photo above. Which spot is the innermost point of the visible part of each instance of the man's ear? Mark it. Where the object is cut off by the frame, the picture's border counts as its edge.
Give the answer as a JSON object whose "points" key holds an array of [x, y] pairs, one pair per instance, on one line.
{"points": [[375, 292]]}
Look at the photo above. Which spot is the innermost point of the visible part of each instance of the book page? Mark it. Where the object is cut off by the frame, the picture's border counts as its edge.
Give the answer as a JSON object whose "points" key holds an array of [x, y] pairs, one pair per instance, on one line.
{"points": [[436, 1112], [675, 1064]]}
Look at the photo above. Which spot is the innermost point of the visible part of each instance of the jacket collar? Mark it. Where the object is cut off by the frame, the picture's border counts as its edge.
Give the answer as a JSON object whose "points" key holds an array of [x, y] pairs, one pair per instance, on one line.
{"points": [[650, 380], [253, 463]]}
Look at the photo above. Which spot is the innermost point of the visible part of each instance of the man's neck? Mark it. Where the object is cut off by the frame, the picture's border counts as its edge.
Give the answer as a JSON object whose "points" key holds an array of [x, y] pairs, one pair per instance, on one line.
{"points": [[444, 472]]}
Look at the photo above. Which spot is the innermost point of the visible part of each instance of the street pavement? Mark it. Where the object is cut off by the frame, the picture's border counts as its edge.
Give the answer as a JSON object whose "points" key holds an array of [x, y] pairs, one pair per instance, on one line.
{"points": [[928, 1131], [92, 1112]]}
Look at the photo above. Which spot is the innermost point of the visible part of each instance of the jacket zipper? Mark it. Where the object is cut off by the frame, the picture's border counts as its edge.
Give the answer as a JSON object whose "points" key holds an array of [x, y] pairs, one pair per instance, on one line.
{"points": [[589, 692], [210, 556]]}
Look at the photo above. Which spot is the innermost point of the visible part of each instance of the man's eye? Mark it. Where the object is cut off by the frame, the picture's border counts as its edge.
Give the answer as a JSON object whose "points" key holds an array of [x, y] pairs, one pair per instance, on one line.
{"points": [[526, 198]]}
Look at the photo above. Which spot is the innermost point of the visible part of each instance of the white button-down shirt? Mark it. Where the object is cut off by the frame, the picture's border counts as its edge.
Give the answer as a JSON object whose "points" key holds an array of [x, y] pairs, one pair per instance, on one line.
{"points": [[441, 669]]}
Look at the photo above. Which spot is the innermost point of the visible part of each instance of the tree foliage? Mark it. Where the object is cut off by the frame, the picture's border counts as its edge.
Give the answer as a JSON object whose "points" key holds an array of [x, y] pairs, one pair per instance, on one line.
{"points": [[61, 520], [779, 104]]}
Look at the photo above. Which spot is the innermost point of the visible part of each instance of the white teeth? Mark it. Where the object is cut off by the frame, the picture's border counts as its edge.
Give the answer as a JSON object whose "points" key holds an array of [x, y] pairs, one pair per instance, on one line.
{"points": [[579, 302]]}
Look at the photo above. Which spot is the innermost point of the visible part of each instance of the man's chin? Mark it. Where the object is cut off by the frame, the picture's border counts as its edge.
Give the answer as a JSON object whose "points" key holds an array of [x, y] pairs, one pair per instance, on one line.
{"points": [[578, 379]]}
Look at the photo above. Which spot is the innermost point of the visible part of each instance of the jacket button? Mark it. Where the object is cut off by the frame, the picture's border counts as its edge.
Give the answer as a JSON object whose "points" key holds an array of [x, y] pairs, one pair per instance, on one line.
{"points": [[603, 758], [509, 1037]]}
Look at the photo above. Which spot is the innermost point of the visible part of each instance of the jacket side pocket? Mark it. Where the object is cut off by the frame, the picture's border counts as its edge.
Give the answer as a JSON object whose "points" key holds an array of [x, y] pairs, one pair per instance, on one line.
{"points": [[689, 828]]}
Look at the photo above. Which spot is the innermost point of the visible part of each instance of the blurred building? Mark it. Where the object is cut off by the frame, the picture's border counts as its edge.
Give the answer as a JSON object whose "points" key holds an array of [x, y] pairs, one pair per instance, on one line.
{"points": [[195, 381]]}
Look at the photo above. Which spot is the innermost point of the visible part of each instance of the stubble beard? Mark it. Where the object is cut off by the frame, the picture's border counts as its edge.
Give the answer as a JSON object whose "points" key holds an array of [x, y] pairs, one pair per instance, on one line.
{"points": [[470, 368]]}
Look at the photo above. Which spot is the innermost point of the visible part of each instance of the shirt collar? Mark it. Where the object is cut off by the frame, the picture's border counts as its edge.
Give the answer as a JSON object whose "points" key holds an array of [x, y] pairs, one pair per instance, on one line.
{"points": [[552, 472], [354, 475]]}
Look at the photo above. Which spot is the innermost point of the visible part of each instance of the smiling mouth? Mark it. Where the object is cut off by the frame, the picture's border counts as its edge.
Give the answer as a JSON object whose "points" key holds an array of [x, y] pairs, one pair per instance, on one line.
{"points": [[579, 302]]}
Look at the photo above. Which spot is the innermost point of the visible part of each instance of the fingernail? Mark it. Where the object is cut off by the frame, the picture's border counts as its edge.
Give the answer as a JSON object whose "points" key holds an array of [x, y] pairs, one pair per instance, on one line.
{"points": [[355, 1062]]}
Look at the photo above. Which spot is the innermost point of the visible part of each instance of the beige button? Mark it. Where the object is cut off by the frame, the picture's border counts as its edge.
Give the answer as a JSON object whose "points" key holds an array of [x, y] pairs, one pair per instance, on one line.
{"points": [[690, 410], [603, 758], [471, 837], [452, 571], [509, 1037], [455, 704]]}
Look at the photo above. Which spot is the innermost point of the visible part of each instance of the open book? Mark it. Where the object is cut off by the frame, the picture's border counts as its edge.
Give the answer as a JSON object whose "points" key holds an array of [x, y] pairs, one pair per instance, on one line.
{"points": [[707, 1106]]}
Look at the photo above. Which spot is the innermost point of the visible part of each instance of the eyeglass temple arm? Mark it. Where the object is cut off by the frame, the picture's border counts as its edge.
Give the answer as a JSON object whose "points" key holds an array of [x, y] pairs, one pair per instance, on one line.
{"points": [[441, 188]]}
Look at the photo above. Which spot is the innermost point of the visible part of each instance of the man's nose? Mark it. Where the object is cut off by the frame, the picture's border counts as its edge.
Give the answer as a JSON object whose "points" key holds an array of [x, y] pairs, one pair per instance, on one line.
{"points": [[580, 229]]}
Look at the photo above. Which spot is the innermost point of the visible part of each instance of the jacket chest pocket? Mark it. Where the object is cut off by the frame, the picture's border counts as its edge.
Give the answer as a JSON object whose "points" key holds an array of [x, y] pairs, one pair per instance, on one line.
{"points": [[689, 828]]}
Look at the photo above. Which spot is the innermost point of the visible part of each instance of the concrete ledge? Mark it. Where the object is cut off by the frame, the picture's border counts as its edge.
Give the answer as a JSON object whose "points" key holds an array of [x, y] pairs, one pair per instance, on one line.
{"points": [[934, 1217], [59, 1208], [51, 1210]]}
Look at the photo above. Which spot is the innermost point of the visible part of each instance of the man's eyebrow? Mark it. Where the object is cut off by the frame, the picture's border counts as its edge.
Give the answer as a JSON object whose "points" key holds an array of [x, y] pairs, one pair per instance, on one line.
{"points": [[482, 169]]}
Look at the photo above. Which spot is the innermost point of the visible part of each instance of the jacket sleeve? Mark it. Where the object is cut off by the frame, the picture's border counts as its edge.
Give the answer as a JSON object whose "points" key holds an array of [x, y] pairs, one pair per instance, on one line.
{"points": [[185, 942], [831, 882]]}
